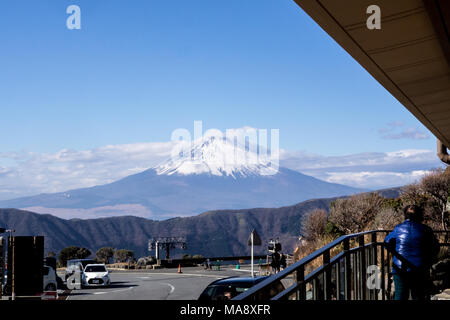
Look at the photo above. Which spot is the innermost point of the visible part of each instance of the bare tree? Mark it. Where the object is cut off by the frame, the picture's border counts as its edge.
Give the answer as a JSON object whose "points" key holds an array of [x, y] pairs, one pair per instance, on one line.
{"points": [[437, 185], [356, 213], [314, 224], [431, 193], [387, 219], [414, 194]]}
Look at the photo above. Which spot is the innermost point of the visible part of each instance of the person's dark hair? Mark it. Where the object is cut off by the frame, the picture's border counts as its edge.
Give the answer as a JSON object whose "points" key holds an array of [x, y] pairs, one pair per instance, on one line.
{"points": [[413, 212]]}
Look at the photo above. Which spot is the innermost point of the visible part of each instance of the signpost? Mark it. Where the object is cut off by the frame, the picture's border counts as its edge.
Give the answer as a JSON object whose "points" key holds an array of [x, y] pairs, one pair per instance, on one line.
{"points": [[166, 243], [253, 240]]}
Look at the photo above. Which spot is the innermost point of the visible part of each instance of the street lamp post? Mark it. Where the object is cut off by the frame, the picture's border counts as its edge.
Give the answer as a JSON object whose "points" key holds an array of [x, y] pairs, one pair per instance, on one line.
{"points": [[2, 264], [11, 231], [13, 280], [253, 240]]}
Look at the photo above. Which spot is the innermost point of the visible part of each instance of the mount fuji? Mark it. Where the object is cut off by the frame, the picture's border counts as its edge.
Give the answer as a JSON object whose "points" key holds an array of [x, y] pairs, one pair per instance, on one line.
{"points": [[210, 174]]}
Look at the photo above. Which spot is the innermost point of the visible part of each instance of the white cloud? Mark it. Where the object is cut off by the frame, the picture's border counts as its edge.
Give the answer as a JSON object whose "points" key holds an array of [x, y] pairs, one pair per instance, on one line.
{"points": [[32, 173], [372, 170], [27, 173], [396, 130], [367, 179]]}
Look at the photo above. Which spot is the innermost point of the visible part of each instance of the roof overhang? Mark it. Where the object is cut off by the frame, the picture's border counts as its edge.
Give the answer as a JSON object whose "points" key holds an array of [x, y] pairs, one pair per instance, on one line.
{"points": [[409, 55]]}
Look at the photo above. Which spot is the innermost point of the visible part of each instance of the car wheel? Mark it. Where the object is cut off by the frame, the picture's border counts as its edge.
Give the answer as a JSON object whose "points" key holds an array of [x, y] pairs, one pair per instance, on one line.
{"points": [[50, 287]]}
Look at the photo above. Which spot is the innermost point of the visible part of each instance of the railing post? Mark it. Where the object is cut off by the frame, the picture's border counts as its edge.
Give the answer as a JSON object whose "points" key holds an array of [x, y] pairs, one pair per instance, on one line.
{"points": [[315, 294], [347, 271], [362, 271], [327, 275], [389, 282], [300, 278], [383, 273], [356, 287], [337, 279], [374, 261]]}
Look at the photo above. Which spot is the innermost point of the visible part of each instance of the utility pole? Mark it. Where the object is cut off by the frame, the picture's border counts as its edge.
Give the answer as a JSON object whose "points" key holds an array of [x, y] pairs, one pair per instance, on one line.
{"points": [[253, 240], [251, 236], [13, 278]]}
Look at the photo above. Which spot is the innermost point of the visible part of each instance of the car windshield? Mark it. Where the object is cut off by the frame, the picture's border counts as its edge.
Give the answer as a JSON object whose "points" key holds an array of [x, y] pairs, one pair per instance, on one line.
{"points": [[95, 269], [225, 292]]}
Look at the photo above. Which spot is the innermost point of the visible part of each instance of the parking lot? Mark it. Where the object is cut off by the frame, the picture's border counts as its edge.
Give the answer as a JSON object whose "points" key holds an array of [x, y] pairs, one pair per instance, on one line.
{"points": [[162, 284]]}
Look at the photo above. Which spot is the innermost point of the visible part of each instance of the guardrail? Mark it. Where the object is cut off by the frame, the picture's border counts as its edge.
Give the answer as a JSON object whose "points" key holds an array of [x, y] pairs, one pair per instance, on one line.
{"points": [[213, 260], [340, 275]]}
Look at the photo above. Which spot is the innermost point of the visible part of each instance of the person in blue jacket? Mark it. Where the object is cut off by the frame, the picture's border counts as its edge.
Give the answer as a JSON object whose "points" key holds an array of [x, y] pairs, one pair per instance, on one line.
{"points": [[415, 247]]}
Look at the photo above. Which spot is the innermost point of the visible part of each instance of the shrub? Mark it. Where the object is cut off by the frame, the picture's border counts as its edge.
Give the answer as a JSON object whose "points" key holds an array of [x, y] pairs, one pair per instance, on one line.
{"points": [[314, 224], [104, 254], [431, 193], [123, 255], [72, 252], [387, 219], [356, 213]]}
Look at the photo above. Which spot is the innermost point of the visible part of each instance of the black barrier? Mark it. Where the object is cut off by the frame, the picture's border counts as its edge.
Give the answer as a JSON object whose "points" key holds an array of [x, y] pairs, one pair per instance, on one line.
{"points": [[25, 266]]}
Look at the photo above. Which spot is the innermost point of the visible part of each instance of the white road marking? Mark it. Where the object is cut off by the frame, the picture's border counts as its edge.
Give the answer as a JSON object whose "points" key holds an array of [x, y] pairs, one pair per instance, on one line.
{"points": [[176, 274], [103, 292], [172, 288]]}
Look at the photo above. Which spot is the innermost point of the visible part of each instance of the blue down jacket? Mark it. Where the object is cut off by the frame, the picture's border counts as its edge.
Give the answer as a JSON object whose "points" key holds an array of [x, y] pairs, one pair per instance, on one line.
{"points": [[415, 243]]}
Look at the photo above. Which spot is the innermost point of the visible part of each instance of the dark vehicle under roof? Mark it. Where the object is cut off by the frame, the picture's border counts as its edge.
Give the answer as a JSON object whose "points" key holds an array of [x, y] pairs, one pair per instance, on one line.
{"points": [[225, 289]]}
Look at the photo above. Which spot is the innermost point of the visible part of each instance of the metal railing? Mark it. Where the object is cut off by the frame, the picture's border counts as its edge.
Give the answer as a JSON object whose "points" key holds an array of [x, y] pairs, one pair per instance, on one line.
{"points": [[337, 271]]}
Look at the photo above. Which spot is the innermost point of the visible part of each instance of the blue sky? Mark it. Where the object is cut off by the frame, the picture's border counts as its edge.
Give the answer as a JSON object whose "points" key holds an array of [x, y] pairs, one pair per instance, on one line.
{"points": [[137, 70]]}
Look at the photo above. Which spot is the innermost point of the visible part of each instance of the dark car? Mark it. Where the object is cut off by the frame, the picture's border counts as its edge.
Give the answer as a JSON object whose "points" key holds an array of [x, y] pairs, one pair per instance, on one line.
{"points": [[226, 289]]}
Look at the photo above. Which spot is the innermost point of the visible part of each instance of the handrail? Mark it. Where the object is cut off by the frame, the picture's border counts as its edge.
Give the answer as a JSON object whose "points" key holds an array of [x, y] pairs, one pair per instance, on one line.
{"points": [[282, 274], [299, 266], [311, 275]]}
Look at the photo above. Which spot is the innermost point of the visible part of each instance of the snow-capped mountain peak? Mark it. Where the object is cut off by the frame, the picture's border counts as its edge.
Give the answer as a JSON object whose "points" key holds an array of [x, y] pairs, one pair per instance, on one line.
{"points": [[218, 157]]}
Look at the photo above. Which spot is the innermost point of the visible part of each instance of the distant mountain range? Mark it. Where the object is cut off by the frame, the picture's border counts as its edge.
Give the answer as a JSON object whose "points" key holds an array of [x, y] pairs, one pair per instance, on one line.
{"points": [[213, 174], [213, 233]]}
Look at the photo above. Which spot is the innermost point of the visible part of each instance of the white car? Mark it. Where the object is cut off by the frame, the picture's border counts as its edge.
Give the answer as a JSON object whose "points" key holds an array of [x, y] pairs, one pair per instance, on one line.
{"points": [[50, 283], [96, 275]]}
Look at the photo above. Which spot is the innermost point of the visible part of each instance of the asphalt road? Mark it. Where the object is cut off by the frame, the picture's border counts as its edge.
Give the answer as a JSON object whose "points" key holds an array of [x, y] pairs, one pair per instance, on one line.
{"points": [[163, 284]]}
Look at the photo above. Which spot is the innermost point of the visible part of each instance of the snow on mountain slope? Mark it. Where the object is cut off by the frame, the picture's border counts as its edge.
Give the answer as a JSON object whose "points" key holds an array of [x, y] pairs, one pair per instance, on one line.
{"points": [[218, 157]]}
